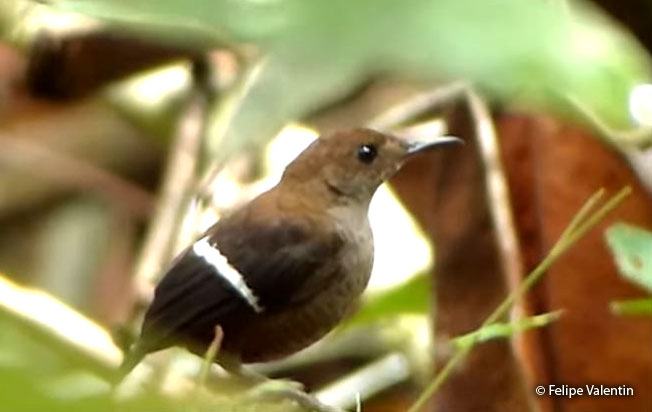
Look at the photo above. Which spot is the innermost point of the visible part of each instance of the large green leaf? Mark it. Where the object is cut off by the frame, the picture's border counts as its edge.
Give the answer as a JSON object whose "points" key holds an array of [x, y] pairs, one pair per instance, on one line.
{"points": [[411, 297], [536, 52], [632, 249]]}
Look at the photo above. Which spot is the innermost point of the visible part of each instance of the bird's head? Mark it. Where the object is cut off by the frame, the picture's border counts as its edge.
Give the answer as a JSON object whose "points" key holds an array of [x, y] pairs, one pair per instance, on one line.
{"points": [[351, 164]]}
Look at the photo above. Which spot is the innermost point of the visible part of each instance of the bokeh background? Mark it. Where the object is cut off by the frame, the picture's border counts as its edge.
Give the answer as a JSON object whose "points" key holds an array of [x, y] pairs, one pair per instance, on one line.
{"points": [[129, 127]]}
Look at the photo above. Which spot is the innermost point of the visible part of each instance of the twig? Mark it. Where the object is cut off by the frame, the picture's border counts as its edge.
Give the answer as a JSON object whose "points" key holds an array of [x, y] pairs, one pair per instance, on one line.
{"points": [[366, 381], [485, 134], [419, 105], [72, 171], [178, 178], [497, 189], [579, 225], [219, 123], [364, 342]]}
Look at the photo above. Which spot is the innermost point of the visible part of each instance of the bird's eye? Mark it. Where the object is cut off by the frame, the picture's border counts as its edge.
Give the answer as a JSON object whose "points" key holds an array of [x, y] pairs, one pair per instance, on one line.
{"points": [[367, 153]]}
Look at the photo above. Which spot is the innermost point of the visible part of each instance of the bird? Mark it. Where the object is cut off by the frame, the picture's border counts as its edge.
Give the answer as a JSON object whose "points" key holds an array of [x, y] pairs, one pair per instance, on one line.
{"points": [[282, 271]]}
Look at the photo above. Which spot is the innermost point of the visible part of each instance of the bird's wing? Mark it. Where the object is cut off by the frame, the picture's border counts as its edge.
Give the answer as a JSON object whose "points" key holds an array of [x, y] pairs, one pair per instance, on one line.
{"points": [[280, 263], [189, 301], [283, 262]]}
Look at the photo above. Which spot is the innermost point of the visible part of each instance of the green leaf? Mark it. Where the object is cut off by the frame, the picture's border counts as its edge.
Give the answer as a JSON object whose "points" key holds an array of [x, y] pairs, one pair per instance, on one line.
{"points": [[35, 375], [633, 307], [505, 330], [411, 297], [632, 250], [537, 53]]}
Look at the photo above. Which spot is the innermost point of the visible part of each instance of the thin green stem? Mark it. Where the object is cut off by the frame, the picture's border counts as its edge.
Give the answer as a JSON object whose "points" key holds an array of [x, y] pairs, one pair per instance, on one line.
{"points": [[599, 215], [210, 356], [577, 227], [580, 215], [506, 329], [633, 307]]}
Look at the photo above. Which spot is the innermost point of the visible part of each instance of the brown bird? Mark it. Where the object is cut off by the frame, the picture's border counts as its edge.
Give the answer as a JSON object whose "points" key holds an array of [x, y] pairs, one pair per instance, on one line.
{"points": [[285, 269]]}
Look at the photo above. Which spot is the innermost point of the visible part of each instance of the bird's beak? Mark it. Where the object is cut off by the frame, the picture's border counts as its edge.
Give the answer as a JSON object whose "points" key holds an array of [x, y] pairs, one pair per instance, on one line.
{"points": [[419, 146]]}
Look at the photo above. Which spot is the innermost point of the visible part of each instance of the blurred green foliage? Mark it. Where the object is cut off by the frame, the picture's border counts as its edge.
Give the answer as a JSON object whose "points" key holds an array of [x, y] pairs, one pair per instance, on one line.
{"points": [[540, 53], [28, 364], [633, 307], [632, 249], [411, 297], [35, 375]]}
